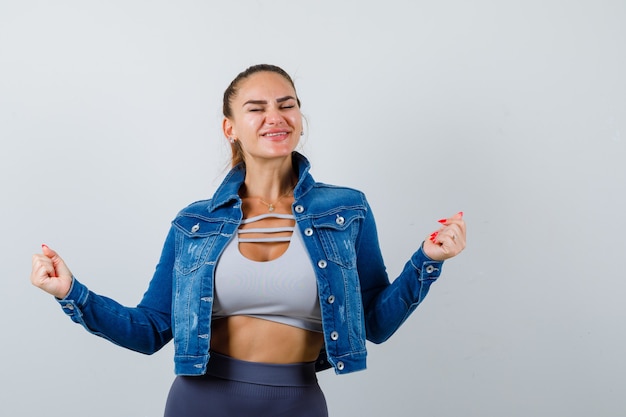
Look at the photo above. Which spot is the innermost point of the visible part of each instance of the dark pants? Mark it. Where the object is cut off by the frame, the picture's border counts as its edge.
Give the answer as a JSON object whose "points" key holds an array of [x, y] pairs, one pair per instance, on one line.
{"points": [[240, 389]]}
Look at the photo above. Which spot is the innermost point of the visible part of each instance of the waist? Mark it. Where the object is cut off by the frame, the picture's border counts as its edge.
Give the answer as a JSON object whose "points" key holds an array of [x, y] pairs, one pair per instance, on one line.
{"points": [[293, 374]]}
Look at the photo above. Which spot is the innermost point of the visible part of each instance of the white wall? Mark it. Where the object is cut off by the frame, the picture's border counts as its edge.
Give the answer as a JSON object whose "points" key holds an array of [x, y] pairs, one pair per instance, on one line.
{"points": [[514, 112]]}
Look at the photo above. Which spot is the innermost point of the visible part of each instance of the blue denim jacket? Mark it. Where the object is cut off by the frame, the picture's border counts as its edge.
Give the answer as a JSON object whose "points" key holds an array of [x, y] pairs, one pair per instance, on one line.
{"points": [[357, 300]]}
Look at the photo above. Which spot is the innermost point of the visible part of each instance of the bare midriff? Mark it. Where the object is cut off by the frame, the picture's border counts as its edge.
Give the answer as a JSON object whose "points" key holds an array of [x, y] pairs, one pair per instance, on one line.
{"points": [[258, 340]]}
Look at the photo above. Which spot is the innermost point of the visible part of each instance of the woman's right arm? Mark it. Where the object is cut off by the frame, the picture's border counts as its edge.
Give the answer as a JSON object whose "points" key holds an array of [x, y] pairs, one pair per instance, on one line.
{"points": [[145, 328]]}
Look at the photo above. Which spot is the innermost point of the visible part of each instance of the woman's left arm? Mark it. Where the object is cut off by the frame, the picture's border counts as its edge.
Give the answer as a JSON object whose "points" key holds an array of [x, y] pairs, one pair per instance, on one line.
{"points": [[387, 305]]}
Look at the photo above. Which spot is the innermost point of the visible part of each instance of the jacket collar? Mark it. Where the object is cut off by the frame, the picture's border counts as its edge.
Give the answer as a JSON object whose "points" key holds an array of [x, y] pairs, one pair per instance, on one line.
{"points": [[229, 188]]}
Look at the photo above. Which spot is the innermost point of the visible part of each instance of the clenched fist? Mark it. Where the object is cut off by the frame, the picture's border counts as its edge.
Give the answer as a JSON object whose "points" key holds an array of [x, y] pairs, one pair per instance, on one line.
{"points": [[50, 273], [448, 241]]}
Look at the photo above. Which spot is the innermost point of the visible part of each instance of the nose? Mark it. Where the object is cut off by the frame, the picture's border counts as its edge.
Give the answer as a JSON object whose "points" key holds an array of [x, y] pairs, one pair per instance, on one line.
{"points": [[273, 116]]}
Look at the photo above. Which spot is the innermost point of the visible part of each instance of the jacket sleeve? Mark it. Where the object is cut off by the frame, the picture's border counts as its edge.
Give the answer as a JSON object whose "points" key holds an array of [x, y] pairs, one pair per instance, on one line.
{"points": [[145, 328], [388, 304]]}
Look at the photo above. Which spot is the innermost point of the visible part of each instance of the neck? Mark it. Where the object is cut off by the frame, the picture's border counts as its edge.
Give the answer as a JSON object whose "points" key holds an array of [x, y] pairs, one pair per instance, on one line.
{"points": [[269, 181]]}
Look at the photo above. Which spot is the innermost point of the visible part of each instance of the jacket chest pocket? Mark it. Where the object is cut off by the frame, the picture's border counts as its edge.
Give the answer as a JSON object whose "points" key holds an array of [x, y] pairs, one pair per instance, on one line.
{"points": [[338, 233], [195, 238]]}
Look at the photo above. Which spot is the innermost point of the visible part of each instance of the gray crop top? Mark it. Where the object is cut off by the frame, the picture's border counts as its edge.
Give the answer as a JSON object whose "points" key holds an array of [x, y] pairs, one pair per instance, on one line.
{"points": [[282, 290]]}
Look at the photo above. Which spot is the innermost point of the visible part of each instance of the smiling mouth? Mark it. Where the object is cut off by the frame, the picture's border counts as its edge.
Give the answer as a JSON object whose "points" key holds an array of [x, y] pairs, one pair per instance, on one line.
{"points": [[275, 135]]}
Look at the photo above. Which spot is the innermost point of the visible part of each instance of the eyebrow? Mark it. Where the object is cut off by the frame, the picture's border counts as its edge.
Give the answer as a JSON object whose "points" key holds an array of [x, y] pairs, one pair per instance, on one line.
{"points": [[278, 100]]}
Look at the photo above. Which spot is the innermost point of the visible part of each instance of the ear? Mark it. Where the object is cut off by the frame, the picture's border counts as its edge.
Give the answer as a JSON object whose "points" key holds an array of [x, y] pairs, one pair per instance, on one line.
{"points": [[228, 128]]}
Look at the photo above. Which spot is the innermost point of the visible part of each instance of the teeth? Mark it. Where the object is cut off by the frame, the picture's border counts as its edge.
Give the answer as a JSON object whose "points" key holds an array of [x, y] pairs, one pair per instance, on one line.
{"points": [[275, 134]]}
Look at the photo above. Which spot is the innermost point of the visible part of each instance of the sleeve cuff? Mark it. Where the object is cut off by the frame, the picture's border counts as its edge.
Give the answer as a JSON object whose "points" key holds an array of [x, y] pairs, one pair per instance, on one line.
{"points": [[428, 269], [74, 300]]}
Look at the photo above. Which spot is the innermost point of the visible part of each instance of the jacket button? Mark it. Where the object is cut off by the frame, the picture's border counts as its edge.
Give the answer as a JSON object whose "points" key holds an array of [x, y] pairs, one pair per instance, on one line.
{"points": [[430, 269], [308, 231], [340, 366], [334, 335], [331, 299], [322, 264], [340, 220], [299, 209], [195, 228]]}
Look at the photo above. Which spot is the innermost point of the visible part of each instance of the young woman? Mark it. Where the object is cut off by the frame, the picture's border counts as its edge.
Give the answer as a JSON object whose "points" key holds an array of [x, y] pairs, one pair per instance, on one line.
{"points": [[271, 280]]}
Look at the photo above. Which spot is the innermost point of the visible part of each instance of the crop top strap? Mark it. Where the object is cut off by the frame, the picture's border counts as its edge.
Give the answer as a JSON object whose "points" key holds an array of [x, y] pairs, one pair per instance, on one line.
{"points": [[266, 230], [267, 216]]}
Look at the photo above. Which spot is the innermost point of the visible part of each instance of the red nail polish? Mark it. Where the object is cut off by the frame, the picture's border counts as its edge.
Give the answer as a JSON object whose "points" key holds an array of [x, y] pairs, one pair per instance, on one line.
{"points": [[442, 221], [461, 213]]}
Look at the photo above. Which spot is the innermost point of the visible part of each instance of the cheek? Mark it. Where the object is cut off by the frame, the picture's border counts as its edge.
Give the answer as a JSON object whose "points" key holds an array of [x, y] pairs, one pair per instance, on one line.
{"points": [[296, 120], [250, 124]]}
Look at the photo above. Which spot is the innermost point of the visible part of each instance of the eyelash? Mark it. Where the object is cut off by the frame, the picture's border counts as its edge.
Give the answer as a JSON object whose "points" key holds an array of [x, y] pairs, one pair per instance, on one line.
{"points": [[282, 108]]}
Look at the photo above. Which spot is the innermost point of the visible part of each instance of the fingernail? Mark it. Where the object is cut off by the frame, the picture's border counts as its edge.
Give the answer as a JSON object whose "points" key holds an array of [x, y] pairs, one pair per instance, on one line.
{"points": [[442, 220], [43, 245], [461, 213]]}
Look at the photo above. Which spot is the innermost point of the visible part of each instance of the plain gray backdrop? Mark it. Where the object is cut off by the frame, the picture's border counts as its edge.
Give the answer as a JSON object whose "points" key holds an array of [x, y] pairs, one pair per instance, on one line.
{"points": [[512, 111]]}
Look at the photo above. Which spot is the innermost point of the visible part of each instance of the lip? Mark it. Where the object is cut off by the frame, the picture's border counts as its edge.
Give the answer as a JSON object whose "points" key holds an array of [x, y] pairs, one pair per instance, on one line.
{"points": [[276, 134]]}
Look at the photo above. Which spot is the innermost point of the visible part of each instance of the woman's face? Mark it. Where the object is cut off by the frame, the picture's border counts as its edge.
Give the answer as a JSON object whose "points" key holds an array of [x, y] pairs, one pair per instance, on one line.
{"points": [[266, 119]]}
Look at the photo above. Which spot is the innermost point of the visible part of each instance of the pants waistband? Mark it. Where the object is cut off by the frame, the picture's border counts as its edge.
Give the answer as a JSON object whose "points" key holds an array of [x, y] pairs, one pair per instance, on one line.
{"points": [[297, 374]]}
